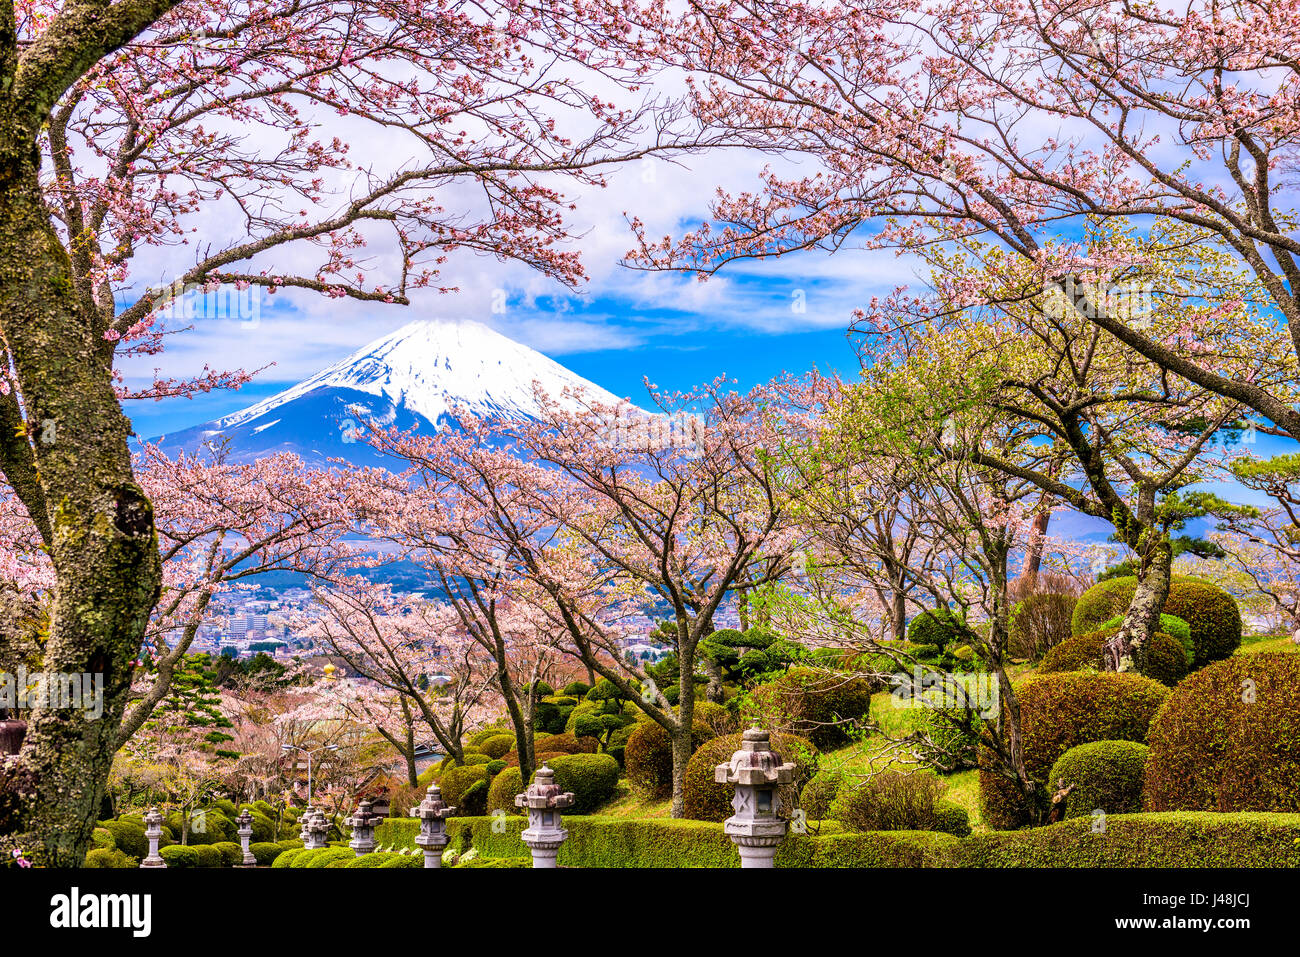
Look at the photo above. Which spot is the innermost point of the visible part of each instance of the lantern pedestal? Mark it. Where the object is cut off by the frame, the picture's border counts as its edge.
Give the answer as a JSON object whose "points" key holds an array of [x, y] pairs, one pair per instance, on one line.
{"points": [[433, 814], [543, 801], [757, 773], [153, 831]]}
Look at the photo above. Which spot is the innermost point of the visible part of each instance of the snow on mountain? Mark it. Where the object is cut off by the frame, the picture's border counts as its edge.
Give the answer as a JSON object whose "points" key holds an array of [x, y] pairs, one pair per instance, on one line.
{"points": [[414, 376]]}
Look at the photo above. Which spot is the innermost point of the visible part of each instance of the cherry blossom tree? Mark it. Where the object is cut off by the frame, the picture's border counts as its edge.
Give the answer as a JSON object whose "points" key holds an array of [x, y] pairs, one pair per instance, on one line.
{"points": [[128, 126], [221, 524], [596, 515], [1019, 124], [413, 648]]}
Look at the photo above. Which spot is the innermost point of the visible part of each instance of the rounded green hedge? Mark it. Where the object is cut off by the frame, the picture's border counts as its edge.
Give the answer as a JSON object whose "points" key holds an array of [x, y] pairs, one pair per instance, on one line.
{"points": [[178, 855], [1228, 738], [498, 744], [1058, 712], [504, 787], [1162, 657], [265, 852], [457, 781], [209, 856], [1106, 776], [821, 705], [648, 757], [706, 800], [288, 856], [1212, 615], [127, 836], [232, 854], [936, 626], [593, 779], [110, 857], [102, 839]]}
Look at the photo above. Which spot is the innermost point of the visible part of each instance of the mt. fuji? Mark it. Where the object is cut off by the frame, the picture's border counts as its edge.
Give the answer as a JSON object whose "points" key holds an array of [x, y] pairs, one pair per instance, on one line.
{"points": [[414, 376]]}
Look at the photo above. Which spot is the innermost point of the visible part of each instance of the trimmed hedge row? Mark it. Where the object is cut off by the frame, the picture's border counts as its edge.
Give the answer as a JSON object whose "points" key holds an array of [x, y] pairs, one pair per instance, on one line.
{"points": [[1175, 839]]}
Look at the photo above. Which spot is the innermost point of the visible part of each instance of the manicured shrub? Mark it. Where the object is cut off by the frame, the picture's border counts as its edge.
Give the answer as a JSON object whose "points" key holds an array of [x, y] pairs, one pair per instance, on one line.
{"points": [[1211, 613], [232, 854], [819, 793], [287, 857], [1102, 602], [324, 857], [207, 826], [576, 689], [457, 781], [1040, 622], [473, 758], [265, 852], [717, 717], [1161, 657], [209, 856], [593, 779], [1105, 775], [479, 737], [473, 800], [127, 836], [495, 767], [1058, 712], [950, 818], [178, 855], [404, 861], [502, 791], [1169, 840], [110, 857], [375, 859], [1228, 738], [706, 800], [498, 745], [226, 807], [101, 838], [888, 801], [936, 626], [649, 757], [821, 705], [566, 743], [1213, 617]]}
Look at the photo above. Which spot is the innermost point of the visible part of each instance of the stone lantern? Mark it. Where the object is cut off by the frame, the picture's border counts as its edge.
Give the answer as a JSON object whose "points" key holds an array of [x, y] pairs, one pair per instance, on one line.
{"points": [[433, 814], [544, 801], [363, 822], [303, 820], [317, 828], [245, 832], [756, 771], [153, 831]]}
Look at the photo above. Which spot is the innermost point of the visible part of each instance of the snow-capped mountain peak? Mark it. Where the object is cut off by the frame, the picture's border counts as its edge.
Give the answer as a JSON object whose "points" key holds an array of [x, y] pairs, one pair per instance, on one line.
{"points": [[415, 376], [427, 366]]}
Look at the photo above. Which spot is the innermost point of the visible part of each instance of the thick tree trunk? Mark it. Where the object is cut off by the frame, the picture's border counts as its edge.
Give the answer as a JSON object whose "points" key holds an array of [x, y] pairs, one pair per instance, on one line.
{"points": [[1142, 619], [681, 737], [898, 613], [98, 522], [1037, 534]]}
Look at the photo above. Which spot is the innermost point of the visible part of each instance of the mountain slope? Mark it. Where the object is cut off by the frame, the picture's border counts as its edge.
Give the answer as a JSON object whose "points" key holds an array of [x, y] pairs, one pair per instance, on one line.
{"points": [[412, 377]]}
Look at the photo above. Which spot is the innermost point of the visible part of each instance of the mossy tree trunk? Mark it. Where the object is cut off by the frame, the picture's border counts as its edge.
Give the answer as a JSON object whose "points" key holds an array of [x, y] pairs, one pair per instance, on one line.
{"points": [[64, 447]]}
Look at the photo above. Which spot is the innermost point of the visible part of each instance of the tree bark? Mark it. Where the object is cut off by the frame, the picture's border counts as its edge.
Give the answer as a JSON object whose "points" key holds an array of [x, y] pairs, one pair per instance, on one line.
{"points": [[1142, 619], [100, 527]]}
